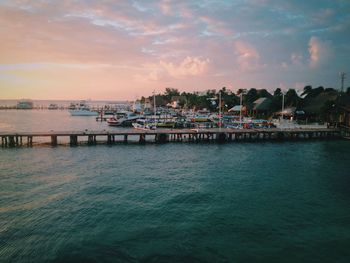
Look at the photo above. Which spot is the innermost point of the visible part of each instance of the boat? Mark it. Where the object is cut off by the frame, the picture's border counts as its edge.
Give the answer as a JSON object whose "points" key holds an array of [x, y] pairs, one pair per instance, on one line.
{"points": [[82, 109], [123, 119], [147, 123], [25, 105], [144, 124], [199, 116], [72, 106], [53, 106], [166, 124]]}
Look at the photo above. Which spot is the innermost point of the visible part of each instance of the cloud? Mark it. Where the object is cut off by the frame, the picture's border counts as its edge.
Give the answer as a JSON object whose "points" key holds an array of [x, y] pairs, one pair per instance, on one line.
{"points": [[165, 7], [320, 51], [190, 66], [165, 70], [247, 57], [148, 44], [296, 58], [215, 27]]}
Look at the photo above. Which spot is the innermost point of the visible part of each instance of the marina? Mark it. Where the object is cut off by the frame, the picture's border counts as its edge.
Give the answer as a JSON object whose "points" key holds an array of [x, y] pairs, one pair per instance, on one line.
{"points": [[220, 135], [174, 131]]}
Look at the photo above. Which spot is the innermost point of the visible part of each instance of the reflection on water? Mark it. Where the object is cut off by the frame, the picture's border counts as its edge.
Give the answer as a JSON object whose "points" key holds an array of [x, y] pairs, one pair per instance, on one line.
{"points": [[46, 120]]}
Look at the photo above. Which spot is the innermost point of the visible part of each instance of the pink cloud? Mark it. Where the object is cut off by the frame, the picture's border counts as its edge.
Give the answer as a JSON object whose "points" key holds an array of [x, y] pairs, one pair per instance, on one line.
{"points": [[296, 58], [319, 51], [190, 66], [247, 57], [164, 70], [165, 7]]}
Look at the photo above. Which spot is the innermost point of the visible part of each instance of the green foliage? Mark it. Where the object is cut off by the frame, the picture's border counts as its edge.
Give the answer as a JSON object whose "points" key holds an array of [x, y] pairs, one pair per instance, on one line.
{"points": [[252, 96], [277, 92], [307, 90], [291, 98], [170, 92], [263, 93], [210, 99]]}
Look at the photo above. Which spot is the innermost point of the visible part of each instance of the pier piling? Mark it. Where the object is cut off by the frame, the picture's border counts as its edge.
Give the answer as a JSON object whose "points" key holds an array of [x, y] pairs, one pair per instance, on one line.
{"points": [[218, 135], [73, 140], [53, 140], [142, 139]]}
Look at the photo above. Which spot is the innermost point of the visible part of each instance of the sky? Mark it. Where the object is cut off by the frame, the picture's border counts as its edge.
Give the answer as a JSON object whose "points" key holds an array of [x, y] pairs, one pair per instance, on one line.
{"points": [[123, 50]]}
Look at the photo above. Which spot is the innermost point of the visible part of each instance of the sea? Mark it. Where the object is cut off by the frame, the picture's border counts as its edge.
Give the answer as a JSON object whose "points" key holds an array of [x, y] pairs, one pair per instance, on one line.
{"points": [[174, 202]]}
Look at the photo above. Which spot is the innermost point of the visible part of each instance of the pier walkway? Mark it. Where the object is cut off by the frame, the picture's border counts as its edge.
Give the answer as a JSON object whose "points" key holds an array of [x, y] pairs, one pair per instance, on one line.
{"points": [[221, 135]]}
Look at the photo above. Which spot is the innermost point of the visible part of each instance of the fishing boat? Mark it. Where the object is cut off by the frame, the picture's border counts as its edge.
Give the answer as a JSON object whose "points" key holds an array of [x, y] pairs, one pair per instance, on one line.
{"points": [[82, 109], [144, 124], [123, 119], [147, 123], [165, 124]]}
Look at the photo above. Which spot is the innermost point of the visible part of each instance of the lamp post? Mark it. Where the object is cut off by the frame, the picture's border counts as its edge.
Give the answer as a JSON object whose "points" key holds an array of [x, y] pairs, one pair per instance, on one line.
{"points": [[282, 104], [240, 108], [220, 117], [282, 112], [155, 109]]}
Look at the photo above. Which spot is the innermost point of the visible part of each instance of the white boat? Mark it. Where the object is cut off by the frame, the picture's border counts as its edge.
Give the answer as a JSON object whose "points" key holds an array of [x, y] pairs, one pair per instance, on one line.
{"points": [[147, 124], [144, 124], [124, 119], [82, 109]]}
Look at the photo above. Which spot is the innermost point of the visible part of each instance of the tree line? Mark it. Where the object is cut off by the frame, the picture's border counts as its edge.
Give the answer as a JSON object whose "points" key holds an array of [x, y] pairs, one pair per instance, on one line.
{"points": [[210, 99]]}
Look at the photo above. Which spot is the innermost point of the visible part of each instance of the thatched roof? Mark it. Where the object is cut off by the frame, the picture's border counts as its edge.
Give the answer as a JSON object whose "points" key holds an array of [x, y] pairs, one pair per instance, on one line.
{"points": [[315, 105], [343, 101], [262, 104], [236, 108]]}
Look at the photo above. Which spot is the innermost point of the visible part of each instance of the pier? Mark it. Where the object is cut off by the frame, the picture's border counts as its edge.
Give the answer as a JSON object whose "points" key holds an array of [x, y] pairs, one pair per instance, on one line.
{"points": [[223, 135]]}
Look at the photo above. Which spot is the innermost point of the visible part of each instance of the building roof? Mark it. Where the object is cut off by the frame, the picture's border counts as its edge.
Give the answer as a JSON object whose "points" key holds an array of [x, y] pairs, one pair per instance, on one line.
{"points": [[315, 105], [236, 108], [262, 104]]}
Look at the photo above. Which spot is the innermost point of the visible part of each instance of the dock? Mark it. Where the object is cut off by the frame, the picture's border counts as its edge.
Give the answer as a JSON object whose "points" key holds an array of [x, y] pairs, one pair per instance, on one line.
{"points": [[218, 135]]}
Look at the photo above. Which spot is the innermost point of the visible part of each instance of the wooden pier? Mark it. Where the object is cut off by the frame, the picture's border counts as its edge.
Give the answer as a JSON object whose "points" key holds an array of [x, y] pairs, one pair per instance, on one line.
{"points": [[74, 138]]}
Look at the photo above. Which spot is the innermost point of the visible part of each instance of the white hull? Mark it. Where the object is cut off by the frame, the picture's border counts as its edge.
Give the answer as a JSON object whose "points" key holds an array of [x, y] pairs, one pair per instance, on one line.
{"points": [[83, 113], [144, 127]]}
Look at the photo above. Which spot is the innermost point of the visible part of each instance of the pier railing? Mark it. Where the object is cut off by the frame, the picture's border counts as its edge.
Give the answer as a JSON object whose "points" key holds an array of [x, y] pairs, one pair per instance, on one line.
{"points": [[221, 135]]}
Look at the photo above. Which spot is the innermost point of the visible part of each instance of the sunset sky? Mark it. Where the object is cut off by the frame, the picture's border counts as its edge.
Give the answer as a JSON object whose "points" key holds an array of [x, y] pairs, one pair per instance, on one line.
{"points": [[126, 49]]}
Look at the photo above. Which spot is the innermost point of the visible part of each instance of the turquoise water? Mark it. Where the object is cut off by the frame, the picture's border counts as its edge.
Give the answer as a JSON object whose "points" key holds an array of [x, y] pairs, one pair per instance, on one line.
{"points": [[239, 202]]}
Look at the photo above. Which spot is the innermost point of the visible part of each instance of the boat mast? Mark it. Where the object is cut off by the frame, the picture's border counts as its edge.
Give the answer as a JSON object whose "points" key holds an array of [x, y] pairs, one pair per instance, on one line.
{"points": [[154, 107], [282, 105]]}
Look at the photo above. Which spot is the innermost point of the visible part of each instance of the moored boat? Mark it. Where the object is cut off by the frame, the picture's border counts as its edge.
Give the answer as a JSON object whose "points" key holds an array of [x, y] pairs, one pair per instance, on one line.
{"points": [[82, 109], [53, 106], [25, 105], [123, 119], [144, 124]]}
